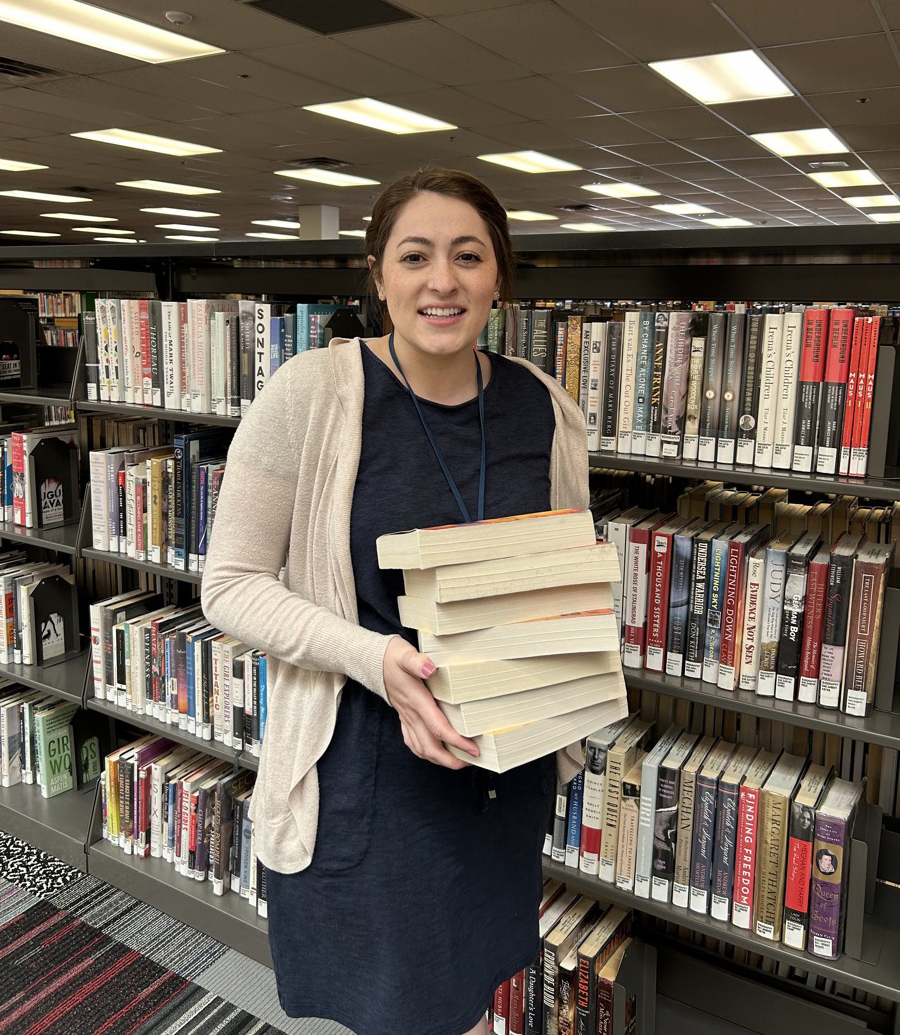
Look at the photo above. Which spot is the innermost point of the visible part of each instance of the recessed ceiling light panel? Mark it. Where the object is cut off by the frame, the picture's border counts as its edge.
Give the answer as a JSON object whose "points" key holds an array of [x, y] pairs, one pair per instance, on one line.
{"points": [[186, 212], [527, 216], [270, 235], [873, 201], [727, 221], [78, 217], [621, 190], [327, 176], [367, 111], [30, 233], [741, 75], [587, 228], [187, 226], [147, 142], [284, 224], [848, 178], [884, 217], [35, 195], [530, 162], [352, 233], [191, 237], [164, 187], [9, 165], [99, 229], [684, 208], [819, 141]]}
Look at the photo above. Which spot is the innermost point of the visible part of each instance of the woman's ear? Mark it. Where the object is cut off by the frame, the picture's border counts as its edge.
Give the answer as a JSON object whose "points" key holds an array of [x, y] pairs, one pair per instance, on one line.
{"points": [[379, 284]]}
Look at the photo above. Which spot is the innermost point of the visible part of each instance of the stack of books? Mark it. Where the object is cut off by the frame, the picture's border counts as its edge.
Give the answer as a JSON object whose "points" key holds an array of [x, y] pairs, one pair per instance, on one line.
{"points": [[517, 615]]}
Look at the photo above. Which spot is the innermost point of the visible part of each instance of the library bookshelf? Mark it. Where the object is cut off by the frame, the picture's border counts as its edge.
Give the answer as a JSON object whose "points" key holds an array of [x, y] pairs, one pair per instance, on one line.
{"points": [[841, 263]]}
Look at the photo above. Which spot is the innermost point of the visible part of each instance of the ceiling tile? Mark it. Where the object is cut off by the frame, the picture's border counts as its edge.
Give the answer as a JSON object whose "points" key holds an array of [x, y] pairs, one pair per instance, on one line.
{"points": [[855, 63], [681, 123], [89, 93], [719, 148], [159, 82], [768, 22], [81, 115], [753, 168], [652, 31], [60, 55], [846, 109], [523, 29], [657, 152], [882, 160], [437, 8], [533, 136], [433, 51], [535, 98], [605, 130], [630, 88], [774, 115], [695, 171], [869, 138], [240, 72], [454, 106]]}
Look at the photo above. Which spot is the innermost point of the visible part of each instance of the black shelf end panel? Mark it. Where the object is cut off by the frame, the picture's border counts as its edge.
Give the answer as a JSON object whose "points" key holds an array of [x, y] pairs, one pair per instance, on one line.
{"points": [[56, 825], [163, 570], [43, 395], [228, 918], [63, 539], [879, 727], [163, 729], [881, 937], [176, 416], [884, 488], [66, 680]]}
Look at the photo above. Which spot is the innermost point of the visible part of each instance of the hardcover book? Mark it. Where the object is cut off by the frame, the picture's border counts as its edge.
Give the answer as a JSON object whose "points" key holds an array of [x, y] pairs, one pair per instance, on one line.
{"points": [[643, 867], [812, 370], [657, 369], [661, 549], [643, 374], [681, 565], [870, 576], [813, 625], [675, 383], [746, 838], [630, 348], [629, 815], [610, 387], [786, 398], [837, 619], [621, 756], [740, 546], [727, 802], [729, 410], [593, 954], [790, 646], [772, 606], [713, 374], [596, 753], [703, 834], [681, 880], [665, 821], [801, 831], [700, 569], [834, 388], [769, 367], [694, 393], [745, 447]]}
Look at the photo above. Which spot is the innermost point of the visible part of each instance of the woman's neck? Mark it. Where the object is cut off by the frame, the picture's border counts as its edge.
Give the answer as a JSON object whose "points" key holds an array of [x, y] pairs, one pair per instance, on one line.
{"points": [[448, 380]]}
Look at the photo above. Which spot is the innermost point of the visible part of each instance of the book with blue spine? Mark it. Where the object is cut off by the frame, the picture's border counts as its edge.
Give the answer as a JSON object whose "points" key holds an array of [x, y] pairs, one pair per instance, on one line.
{"points": [[679, 595], [276, 343], [263, 695], [712, 640], [573, 830]]}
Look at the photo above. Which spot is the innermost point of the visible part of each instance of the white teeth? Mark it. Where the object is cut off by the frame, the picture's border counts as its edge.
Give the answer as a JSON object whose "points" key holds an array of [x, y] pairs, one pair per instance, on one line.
{"points": [[441, 312]]}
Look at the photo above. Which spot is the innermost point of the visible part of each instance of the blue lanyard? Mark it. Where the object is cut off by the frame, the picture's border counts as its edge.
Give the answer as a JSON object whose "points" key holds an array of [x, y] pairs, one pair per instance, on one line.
{"points": [[437, 449]]}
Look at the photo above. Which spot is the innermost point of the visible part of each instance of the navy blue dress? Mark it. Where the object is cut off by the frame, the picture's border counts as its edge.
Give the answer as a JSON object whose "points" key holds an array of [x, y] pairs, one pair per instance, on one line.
{"points": [[423, 891]]}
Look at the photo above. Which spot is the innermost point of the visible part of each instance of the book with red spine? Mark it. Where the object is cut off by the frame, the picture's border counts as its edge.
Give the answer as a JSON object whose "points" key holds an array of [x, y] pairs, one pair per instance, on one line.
{"points": [[812, 372], [865, 391], [801, 830], [146, 358], [746, 838], [739, 548], [813, 626], [637, 574], [834, 389], [658, 593], [501, 1009], [870, 575], [857, 349], [517, 1004]]}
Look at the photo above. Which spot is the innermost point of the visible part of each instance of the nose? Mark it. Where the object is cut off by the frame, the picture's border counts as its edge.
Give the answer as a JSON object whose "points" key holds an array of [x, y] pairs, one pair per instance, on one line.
{"points": [[443, 277]]}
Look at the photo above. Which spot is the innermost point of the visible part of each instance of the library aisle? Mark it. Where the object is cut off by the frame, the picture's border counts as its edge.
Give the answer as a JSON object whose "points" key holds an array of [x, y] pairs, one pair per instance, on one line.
{"points": [[108, 960]]}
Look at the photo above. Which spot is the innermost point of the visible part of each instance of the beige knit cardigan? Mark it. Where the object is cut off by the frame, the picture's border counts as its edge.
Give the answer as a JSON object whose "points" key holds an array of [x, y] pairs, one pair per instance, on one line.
{"points": [[285, 502]]}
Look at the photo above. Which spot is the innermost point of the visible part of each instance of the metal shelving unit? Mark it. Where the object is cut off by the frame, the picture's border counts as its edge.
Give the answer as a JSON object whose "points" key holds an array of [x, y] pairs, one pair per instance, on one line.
{"points": [[176, 416], [57, 825]]}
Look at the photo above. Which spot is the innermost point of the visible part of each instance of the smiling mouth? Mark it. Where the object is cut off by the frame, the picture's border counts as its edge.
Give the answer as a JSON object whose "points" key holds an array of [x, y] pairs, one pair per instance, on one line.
{"points": [[441, 311]]}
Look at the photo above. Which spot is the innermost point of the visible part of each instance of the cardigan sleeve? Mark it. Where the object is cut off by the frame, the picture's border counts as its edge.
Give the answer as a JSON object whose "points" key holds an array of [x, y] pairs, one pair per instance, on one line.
{"points": [[242, 593]]}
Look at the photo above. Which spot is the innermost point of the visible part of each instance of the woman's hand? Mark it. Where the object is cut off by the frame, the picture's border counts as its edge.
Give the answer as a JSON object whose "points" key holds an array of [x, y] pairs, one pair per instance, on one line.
{"points": [[425, 728]]}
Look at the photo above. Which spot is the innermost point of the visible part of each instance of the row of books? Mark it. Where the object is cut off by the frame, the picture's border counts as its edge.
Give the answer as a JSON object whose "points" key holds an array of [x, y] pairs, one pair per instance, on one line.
{"points": [[46, 741], [570, 987], [158, 504], [59, 336], [60, 303], [39, 485], [170, 664], [39, 622], [199, 356], [790, 390], [167, 801], [510, 597], [785, 616], [759, 839]]}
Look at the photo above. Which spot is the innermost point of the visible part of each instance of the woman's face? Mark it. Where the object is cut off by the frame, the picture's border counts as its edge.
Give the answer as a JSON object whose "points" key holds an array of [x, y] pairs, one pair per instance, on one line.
{"points": [[438, 275]]}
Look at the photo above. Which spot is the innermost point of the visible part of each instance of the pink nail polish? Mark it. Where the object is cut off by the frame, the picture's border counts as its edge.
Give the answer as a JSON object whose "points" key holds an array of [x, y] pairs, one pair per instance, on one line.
{"points": [[427, 670]]}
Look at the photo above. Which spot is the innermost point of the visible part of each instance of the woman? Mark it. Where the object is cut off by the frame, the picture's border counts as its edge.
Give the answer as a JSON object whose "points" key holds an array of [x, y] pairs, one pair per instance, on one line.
{"points": [[402, 883]]}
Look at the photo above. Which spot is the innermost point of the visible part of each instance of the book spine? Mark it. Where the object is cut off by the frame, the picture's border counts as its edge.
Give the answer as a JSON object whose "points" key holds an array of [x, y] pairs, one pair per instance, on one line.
{"points": [[654, 420], [679, 597], [731, 614], [681, 879], [626, 855], [863, 637], [731, 388], [694, 397], [826, 906], [573, 355], [745, 447], [786, 392], [517, 1004], [768, 899], [857, 349], [573, 829], [750, 640], [813, 628], [665, 822], [630, 345], [642, 380], [789, 647], [534, 1004], [831, 408], [693, 656], [560, 817], [658, 605], [770, 622], [637, 563], [812, 369], [702, 846], [770, 364], [594, 408], [834, 639], [713, 375], [675, 384], [859, 461], [722, 883], [611, 375], [616, 763], [798, 875], [712, 633]]}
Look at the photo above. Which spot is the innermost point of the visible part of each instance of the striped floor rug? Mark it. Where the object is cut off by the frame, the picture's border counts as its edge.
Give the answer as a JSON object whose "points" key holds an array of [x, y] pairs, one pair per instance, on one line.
{"points": [[79, 957]]}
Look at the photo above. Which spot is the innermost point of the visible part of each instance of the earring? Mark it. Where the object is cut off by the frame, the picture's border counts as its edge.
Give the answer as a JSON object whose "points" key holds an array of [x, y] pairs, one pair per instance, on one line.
{"points": [[497, 293]]}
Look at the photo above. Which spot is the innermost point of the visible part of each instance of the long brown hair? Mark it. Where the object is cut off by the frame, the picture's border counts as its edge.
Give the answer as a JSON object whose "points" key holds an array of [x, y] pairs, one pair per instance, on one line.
{"points": [[451, 183]]}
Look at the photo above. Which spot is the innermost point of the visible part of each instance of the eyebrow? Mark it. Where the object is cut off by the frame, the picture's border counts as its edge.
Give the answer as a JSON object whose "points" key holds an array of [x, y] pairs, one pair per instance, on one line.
{"points": [[466, 239]]}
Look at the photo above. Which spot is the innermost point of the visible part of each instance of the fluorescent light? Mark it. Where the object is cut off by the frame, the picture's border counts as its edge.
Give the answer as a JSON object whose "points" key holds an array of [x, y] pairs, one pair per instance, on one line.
{"points": [[726, 221], [717, 78], [191, 237], [801, 142], [884, 217], [78, 217], [351, 233], [285, 224], [367, 219], [164, 186], [328, 177], [187, 226], [28, 233], [83, 23], [189, 213], [8, 165], [34, 195], [530, 162], [587, 228], [684, 208], [621, 190], [147, 142], [873, 201], [527, 216], [271, 235], [850, 178], [118, 240], [98, 229], [366, 111]]}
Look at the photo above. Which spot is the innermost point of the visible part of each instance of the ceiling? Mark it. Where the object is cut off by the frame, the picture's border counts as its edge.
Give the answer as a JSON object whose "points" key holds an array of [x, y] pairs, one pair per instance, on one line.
{"points": [[566, 77]]}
